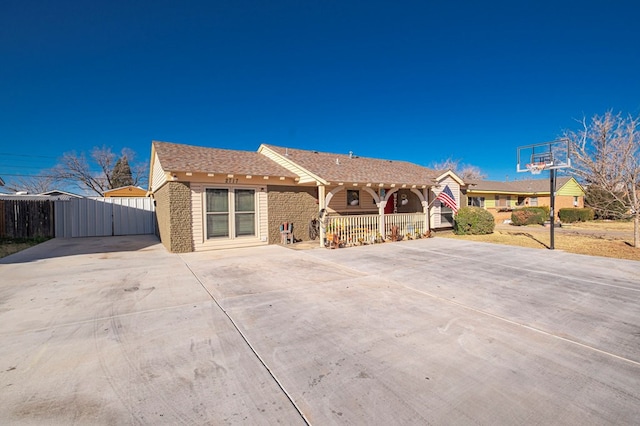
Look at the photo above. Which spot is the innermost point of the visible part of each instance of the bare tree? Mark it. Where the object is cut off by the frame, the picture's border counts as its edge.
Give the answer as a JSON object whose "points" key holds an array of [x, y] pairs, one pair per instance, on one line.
{"points": [[466, 172], [76, 169], [606, 153], [37, 184]]}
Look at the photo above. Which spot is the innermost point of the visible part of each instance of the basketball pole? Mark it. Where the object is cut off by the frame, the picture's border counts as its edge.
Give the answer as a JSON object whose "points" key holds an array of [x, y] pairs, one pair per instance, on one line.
{"points": [[552, 193]]}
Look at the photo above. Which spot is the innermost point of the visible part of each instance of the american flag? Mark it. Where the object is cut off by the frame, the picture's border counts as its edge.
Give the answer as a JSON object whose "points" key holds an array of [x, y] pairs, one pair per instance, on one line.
{"points": [[446, 196]]}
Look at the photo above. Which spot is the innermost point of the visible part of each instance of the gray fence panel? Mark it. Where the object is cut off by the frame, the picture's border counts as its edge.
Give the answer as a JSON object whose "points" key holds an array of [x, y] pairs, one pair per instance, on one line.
{"points": [[95, 217], [133, 216]]}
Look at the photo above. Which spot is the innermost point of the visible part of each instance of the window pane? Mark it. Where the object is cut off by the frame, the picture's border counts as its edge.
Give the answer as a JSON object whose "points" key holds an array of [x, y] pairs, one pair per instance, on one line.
{"points": [[245, 224], [217, 225], [217, 200], [245, 200], [353, 197]]}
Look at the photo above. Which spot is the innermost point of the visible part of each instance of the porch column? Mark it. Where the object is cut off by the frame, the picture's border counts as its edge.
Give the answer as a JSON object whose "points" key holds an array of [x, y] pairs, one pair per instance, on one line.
{"points": [[425, 210], [321, 205], [381, 230]]}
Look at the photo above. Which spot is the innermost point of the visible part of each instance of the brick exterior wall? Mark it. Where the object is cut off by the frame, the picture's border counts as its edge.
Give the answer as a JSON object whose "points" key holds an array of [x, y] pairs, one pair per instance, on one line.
{"points": [[291, 204], [173, 212]]}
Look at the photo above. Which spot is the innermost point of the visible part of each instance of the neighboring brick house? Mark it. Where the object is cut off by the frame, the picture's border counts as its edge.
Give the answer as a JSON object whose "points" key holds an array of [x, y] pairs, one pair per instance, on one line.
{"points": [[208, 198], [500, 198]]}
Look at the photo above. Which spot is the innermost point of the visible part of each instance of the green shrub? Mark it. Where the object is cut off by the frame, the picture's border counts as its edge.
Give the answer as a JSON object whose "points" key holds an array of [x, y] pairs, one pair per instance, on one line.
{"points": [[473, 221], [575, 215], [530, 216]]}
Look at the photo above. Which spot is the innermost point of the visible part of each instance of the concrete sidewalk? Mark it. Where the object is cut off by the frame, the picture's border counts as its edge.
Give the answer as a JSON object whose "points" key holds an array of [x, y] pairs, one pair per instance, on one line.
{"points": [[433, 331]]}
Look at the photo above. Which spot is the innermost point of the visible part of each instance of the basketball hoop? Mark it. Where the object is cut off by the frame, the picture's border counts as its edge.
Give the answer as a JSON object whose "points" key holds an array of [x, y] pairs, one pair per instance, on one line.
{"points": [[536, 168]]}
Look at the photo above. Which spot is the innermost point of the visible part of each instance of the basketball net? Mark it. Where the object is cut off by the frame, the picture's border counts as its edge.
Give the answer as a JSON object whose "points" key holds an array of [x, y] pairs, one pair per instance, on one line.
{"points": [[535, 168]]}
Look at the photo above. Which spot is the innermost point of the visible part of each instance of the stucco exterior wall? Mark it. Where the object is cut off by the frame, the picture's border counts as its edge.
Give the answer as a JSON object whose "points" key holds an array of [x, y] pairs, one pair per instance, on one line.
{"points": [[291, 204], [173, 210]]}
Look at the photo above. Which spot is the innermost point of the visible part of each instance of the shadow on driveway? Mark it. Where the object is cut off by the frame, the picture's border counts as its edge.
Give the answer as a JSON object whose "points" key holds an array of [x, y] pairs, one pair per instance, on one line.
{"points": [[61, 247]]}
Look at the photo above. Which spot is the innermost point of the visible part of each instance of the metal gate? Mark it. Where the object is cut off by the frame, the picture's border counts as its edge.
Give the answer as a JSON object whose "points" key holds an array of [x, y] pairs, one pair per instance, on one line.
{"points": [[108, 216]]}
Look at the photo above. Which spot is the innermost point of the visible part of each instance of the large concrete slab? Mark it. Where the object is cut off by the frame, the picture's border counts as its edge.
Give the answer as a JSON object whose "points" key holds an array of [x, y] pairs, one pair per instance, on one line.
{"points": [[118, 331], [431, 331]]}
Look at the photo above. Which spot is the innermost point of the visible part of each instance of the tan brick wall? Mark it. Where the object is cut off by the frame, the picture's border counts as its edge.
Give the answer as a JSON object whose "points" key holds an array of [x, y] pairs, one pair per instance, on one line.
{"points": [[163, 215], [173, 210], [500, 217], [291, 204]]}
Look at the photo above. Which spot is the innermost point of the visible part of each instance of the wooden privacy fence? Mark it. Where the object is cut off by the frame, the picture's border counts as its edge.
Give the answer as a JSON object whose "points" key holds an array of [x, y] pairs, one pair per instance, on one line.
{"points": [[26, 218]]}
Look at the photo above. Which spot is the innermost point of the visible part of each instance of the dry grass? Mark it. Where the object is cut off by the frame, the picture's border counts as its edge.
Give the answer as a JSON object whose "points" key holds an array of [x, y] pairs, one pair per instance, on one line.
{"points": [[588, 238], [9, 246]]}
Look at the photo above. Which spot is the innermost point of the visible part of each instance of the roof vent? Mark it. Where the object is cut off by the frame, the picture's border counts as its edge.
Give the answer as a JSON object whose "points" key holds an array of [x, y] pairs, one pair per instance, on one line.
{"points": [[350, 154], [286, 152], [338, 161]]}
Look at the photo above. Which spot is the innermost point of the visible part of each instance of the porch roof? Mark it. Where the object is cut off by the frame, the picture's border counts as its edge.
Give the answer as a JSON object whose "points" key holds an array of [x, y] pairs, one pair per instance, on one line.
{"points": [[336, 168], [175, 157], [529, 186]]}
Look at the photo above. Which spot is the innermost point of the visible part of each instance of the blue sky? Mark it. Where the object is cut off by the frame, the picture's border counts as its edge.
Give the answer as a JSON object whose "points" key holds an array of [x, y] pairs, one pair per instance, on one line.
{"points": [[417, 81]]}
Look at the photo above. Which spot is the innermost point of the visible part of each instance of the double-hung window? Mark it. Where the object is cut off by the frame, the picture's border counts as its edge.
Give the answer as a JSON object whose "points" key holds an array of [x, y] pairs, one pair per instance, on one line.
{"points": [[475, 201], [231, 212]]}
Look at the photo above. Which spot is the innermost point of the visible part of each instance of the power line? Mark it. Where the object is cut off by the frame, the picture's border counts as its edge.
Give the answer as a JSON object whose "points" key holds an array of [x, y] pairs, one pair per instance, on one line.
{"points": [[21, 175], [27, 155]]}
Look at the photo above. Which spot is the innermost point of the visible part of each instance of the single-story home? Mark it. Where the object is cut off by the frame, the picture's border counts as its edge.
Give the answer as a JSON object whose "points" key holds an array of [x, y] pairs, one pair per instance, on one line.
{"points": [[501, 198], [126, 191], [209, 198]]}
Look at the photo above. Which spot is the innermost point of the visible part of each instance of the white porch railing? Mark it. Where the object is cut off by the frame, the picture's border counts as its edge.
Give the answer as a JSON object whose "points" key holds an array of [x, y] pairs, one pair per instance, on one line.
{"points": [[410, 225], [365, 229], [354, 230]]}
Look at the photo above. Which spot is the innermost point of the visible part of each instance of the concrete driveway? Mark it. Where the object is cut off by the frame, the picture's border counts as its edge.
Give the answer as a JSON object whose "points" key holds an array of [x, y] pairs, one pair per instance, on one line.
{"points": [[118, 331]]}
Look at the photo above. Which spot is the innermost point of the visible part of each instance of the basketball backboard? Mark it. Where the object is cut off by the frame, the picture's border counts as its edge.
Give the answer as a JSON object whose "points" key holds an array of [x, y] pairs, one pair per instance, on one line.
{"points": [[543, 156]]}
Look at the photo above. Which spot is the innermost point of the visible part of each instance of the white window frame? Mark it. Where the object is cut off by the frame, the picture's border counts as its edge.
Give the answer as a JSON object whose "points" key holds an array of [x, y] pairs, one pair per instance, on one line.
{"points": [[231, 212]]}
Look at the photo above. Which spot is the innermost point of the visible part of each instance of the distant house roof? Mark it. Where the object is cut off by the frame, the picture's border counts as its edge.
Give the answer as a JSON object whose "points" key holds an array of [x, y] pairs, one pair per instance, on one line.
{"points": [[175, 157], [61, 195], [352, 168], [49, 195], [126, 191], [517, 186]]}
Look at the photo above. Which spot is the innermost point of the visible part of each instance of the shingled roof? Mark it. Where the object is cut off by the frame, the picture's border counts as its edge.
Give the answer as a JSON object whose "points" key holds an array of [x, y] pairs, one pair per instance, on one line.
{"points": [[175, 157], [354, 169], [517, 186]]}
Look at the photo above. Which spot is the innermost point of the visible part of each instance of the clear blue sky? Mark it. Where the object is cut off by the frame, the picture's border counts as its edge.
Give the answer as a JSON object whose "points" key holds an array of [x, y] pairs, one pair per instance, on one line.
{"points": [[419, 81]]}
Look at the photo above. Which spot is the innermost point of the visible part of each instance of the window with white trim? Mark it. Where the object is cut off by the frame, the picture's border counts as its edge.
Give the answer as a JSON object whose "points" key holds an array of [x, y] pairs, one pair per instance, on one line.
{"points": [[231, 212]]}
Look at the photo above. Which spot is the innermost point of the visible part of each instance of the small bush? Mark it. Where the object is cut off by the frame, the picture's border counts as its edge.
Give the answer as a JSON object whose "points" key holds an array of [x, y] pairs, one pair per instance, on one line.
{"points": [[473, 221], [575, 215], [529, 216]]}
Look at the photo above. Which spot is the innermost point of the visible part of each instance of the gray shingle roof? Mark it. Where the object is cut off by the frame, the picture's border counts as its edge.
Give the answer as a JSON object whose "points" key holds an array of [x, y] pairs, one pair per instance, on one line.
{"points": [[187, 158], [343, 168], [518, 186]]}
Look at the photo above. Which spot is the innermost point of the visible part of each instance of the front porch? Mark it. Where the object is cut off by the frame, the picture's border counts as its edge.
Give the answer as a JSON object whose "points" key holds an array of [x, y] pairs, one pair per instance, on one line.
{"points": [[356, 230]]}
